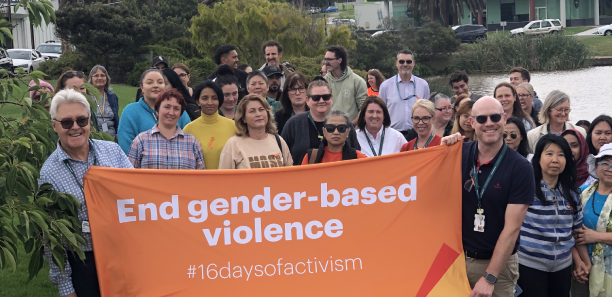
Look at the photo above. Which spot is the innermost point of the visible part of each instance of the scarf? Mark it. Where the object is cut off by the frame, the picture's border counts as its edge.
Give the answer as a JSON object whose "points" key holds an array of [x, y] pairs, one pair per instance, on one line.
{"points": [[581, 164], [600, 278], [348, 153]]}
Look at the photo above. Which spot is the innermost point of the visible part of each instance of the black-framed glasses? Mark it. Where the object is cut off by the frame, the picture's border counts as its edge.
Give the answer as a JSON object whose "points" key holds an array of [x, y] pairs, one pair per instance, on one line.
{"points": [[481, 119], [405, 61], [294, 91], [605, 166], [513, 135], [72, 74], [341, 128], [425, 120], [449, 108], [69, 123], [316, 98]]}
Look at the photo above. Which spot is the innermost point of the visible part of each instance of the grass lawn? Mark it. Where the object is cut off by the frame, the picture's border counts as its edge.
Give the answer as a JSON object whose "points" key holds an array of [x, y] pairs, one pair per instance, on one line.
{"points": [[575, 30], [14, 284], [348, 13], [599, 45]]}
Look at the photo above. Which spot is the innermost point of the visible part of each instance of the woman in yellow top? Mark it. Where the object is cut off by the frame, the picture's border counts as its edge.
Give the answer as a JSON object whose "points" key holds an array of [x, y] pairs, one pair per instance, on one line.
{"points": [[211, 129]]}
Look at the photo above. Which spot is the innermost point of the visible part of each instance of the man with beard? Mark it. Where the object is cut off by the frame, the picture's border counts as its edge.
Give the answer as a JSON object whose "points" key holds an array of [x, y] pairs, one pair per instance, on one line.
{"points": [[401, 91], [273, 52], [274, 75]]}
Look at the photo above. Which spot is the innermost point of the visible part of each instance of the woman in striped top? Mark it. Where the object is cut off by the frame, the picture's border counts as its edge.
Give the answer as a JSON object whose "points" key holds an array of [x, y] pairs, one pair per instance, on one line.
{"points": [[547, 244]]}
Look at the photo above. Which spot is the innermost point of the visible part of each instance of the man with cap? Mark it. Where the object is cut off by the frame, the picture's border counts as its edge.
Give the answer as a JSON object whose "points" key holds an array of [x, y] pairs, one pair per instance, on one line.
{"points": [[274, 75], [159, 62], [272, 51]]}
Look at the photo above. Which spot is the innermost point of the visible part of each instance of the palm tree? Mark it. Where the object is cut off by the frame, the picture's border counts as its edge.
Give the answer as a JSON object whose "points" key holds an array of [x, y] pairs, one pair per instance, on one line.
{"points": [[447, 10]]}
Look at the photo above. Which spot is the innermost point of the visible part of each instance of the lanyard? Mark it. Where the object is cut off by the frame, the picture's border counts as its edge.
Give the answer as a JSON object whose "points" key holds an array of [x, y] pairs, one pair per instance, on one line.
{"points": [[398, 90], [548, 128], [593, 203], [315, 126], [479, 194], [103, 106], [382, 141], [426, 143], [67, 164]]}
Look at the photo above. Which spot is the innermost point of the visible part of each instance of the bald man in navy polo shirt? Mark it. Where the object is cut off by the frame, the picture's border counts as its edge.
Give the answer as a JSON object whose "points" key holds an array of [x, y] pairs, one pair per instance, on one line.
{"points": [[491, 222]]}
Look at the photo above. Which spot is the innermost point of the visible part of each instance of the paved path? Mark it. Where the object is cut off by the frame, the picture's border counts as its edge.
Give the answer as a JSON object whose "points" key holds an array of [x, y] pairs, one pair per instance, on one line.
{"points": [[331, 16], [587, 33]]}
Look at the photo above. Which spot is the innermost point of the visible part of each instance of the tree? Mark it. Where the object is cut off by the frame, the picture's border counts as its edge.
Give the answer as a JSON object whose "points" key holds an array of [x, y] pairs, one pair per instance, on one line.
{"points": [[249, 23], [102, 31], [448, 11]]}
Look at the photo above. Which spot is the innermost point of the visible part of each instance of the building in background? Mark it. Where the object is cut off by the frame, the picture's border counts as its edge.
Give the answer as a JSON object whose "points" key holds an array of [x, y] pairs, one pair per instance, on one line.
{"points": [[22, 35]]}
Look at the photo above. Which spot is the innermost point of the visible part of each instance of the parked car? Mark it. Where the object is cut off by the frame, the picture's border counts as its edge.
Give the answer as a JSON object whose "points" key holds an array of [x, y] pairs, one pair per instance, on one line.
{"points": [[331, 9], [27, 59], [6, 62], [470, 33], [50, 49], [539, 27], [605, 30]]}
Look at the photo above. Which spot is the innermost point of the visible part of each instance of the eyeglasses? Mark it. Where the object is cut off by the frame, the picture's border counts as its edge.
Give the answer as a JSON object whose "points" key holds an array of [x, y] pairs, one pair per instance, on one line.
{"points": [[562, 110], [605, 166], [330, 59], [331, 128], [405, 61], [182, 75], [72, 74], [524, 95], [513, 135], [316, 98], [425, 120], [481, 119], [99, 76], [443, 109], [294, 91], [69, 123]]}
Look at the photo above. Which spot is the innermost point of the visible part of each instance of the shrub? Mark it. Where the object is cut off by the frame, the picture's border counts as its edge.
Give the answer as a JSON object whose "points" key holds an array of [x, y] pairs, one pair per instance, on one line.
{"points": [[310, 67], [544, 53], [200, 69], [132, 78], [169, 53], [74, 60]]}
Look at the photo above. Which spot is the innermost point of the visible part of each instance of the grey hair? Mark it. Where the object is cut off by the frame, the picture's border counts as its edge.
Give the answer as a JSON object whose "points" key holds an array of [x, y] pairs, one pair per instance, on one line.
{"points": [[337, 113], [68, 96], [527, 87], [94, 70], [439, 97], [256, 73], [554, 99]]}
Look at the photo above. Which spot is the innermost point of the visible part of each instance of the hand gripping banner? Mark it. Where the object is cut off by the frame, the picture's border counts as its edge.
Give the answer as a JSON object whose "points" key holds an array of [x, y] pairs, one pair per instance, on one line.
{"points": [[383, 226]]}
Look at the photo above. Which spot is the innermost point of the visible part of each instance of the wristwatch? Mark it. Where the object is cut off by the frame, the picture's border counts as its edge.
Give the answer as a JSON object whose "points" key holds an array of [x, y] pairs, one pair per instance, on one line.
{"points": [[490, 278]]}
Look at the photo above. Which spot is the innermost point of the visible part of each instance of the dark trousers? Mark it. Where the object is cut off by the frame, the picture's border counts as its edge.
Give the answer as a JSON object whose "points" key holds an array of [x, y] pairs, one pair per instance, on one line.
{"points": [[539, 283], [84, 275]]}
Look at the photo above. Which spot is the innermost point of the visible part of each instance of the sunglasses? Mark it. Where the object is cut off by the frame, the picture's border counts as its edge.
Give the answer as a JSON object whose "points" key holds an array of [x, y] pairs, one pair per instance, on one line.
{"points": [[72, 74], [69, 123], [316, 98], [341, 128], [513, 135], [405, 61], [481, 119]]}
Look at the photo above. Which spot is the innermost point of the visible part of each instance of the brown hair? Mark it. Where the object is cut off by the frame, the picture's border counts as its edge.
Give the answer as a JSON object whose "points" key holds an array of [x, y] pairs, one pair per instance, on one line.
{"points": [[379, 78], [241, 127], [167, 95], [524, 73], [181, 66], [517, 110], [373, 100], [61, 81], [465, 108], [290, 81]]}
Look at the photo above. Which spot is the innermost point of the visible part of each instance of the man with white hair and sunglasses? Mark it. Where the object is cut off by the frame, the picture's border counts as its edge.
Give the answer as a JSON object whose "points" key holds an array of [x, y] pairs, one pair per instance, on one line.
{"points": [[498, 187], [64, 170]]}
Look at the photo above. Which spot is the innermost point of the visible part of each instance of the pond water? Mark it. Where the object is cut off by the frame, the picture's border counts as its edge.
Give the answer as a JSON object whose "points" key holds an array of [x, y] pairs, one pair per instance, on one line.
{"points": [[590, 89]]}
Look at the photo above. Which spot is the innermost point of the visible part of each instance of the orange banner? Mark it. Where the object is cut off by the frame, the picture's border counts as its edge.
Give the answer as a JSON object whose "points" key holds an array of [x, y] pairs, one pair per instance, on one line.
{"points": [[383, 226]]}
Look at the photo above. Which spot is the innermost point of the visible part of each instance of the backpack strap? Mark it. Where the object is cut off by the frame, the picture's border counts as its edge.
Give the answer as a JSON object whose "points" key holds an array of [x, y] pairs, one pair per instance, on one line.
{"points": [[280, 146], [312, 156]]}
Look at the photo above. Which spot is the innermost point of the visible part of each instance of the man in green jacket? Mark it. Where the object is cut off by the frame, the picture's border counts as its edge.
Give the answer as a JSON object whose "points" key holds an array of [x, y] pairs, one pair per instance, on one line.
{"points": [[349, 90]]}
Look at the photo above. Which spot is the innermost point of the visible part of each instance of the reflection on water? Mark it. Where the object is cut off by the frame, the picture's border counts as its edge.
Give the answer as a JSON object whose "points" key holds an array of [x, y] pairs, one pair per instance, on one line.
{"points": [[590, 89]]}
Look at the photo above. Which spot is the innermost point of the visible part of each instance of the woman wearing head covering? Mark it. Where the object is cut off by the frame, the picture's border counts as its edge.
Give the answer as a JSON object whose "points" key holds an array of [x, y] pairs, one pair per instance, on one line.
{"points": [[333, 148], [107, 111], [45, 87], [174, 82], [580, 152], [211, 129], [375, 136], [256, 143]]}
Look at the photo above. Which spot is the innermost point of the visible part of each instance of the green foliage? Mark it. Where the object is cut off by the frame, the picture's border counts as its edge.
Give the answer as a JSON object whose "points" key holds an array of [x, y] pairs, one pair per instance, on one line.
{"points": [[545, 53], [200, 69], [132, 78], [249, 23], [431, 41], [341, 36], [74, 60], [102, 31], [169, 53], [385, 46], [310, 67]]}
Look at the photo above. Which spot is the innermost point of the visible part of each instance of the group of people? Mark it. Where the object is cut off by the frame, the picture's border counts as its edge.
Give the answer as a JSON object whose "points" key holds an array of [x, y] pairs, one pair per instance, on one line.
{"points": [[540, 237]]}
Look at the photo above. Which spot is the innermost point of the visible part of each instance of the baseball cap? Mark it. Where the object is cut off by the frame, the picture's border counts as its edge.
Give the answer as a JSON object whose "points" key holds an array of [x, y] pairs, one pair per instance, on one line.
{"points": [[605, 150], [159, 59], [271, 70]]}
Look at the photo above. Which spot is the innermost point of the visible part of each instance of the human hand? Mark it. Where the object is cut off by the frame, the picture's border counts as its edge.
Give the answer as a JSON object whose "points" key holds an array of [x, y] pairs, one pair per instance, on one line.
{"points": [[482, 289], [586, 236], [451, 139], [581, 271]]}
